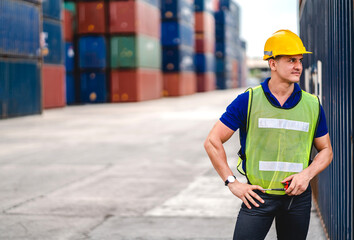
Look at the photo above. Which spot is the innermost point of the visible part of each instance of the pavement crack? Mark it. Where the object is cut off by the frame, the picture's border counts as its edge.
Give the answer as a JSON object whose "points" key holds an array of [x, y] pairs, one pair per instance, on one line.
{"points": [[105, 218], [107, 166]]}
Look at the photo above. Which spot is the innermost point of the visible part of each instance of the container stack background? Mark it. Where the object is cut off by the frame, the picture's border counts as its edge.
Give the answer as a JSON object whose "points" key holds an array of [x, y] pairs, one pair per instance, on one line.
{"points": [[53, 71], [116, 51], [135, 50], [205, 44], [20, 61], [227, 47], [177, 40], [91, 48]]}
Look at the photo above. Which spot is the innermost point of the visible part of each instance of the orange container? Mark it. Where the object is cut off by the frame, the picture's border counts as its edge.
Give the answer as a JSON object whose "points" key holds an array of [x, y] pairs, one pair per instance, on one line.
{"points": [[204, 43], [53, 86], [91, 17], [68, 26], [234, 74], [204, 23], [135, 85], [206, 82], [134, 17], [179, 84]]}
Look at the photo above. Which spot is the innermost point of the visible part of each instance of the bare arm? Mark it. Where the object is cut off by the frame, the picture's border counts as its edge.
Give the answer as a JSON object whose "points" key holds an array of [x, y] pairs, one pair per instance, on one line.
{"points": [[324, 157], [216, 152]]}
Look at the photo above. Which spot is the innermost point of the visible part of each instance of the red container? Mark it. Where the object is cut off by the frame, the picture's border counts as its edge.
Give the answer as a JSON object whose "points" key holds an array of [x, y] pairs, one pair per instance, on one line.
{"points": [[135, 85], [53, 86], [204, 43], [206, 82], [234, 74], [134, 17], [204, 23], [179, 84], [216, 5], [68, 26], [91, 17]]}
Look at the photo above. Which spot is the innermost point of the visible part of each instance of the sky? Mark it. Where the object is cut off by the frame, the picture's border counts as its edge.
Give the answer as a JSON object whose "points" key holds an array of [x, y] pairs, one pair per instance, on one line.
{"points": [[261, 18]]}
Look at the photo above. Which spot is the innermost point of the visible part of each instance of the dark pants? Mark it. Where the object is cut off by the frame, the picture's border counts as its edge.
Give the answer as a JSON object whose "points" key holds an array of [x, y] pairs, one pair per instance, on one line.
{"points": [[291, 213]]}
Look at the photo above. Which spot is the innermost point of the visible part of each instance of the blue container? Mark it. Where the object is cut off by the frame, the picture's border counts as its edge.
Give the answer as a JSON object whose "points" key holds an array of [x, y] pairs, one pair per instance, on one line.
{"points": [[20, 91], [54, 42], [92, 52], [174, 34], [204, 62], [19, 29], [93, 87], [51, 9], [225, 18], [176, 59], [225, 50], [223, 65], [203, 6], [70, 88], [231, 6], [69, 57], [223, 80], [177, 10]]}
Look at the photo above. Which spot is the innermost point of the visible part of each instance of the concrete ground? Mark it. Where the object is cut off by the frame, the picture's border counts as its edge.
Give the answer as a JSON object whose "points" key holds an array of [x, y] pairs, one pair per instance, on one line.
{"points": [[119, 171]]}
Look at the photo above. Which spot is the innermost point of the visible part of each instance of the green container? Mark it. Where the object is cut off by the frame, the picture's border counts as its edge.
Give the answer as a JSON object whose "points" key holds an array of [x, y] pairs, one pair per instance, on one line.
{"points": [[135, 52], [70, 6]]}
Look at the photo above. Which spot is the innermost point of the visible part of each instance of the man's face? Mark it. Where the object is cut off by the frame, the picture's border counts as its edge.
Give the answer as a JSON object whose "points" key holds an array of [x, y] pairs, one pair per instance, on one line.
{"points": [[289, 68]]}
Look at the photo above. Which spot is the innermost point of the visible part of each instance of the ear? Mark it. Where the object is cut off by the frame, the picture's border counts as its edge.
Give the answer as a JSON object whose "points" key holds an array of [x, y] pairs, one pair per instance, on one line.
{"points": [[272, 64]]}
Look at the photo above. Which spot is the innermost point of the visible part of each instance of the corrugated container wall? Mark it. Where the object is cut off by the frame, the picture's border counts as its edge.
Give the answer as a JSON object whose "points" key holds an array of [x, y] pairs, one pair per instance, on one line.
{"points": [[326, 28], [20, 58]]}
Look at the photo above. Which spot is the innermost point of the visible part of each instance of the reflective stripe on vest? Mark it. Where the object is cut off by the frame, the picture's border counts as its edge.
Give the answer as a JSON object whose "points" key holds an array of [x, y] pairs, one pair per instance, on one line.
{"points": [[279, 141]]}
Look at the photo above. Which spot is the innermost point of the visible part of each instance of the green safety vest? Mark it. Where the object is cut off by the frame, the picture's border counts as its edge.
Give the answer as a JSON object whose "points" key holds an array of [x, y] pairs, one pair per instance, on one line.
{"points": [[279, 141]]}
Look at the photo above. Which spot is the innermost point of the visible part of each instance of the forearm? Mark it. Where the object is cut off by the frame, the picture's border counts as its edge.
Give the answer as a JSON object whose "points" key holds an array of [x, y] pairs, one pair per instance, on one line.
{"points": [[217, 155], [319, 163]]}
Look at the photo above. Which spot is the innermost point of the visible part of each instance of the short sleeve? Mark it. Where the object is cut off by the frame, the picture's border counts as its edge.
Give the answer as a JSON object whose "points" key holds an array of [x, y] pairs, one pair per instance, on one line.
{"points": [[235, 116], [322, 125]]}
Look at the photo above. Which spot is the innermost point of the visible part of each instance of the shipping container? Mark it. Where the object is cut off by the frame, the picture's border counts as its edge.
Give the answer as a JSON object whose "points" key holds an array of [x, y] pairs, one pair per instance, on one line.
{"points": [[137, 51], [225, 50], [20, 91], [177, 10], [206, 82], [52, 9], [54, 42], [204, 23], [175, 59], [91, 17], [71, 7], [223, 65], [93, 87], [53, 86], [225, 18], [179, 84], [223, 80], [204, 43], [68, 26], [327, 30], [70, 88], [204, 6], [176, 33], [204, 62], [69, 57], [19, 29], [92, 52], [136, 85], [134, 17]]}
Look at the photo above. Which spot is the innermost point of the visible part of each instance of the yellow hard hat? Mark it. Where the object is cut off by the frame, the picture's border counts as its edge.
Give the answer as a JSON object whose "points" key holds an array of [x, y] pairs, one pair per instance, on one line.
{"points": [[283, 42]]}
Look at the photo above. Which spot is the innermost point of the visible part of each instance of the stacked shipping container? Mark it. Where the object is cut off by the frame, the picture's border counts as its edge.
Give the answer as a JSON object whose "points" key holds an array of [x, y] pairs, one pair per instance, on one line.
{"points": [[20, 60], [204, 45], [53, 69], [177, 39], [135, 52], [69, 28], [92, 45], [227, 47]]}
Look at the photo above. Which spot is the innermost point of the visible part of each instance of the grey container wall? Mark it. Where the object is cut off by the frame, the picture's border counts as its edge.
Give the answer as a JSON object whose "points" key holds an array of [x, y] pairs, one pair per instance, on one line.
{"points": [[326, 27]]}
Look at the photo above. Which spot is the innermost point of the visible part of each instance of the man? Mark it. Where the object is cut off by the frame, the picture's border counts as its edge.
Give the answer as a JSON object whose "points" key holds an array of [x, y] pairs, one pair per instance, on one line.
{"points": [[278, 125]]}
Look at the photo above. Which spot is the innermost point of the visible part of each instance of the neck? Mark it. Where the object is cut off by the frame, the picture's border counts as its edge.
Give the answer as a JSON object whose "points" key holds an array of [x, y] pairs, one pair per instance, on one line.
{"points": [[281, 90]]}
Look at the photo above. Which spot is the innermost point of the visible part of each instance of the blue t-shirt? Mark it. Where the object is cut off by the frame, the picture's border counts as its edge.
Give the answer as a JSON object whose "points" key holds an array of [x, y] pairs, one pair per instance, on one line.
{"points": [[235, 116]]}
